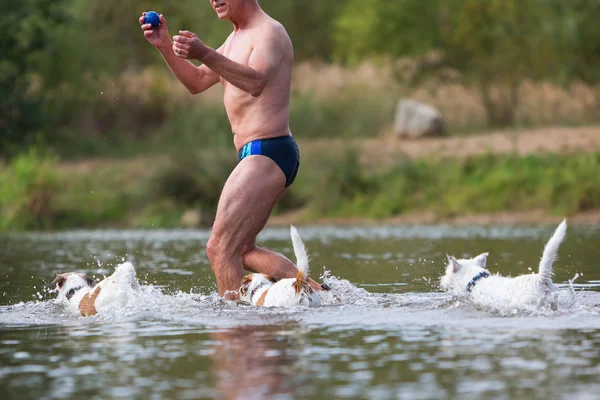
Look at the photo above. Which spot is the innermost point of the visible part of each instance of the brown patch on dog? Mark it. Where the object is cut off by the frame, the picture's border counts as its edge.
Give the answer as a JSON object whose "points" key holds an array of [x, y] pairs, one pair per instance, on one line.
{"points": [[60, 280], [245, 284], [87, 306], [301, 282], [261, 300]]}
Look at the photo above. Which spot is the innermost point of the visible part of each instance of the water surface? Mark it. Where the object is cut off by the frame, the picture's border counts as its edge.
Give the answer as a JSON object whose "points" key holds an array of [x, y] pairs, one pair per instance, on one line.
{"points": [[386, 331]]}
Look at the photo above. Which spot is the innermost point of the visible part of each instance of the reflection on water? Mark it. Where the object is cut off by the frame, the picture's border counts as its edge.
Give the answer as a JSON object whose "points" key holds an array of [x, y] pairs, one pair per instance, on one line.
{"points": [[256, 361], [385, 332]]}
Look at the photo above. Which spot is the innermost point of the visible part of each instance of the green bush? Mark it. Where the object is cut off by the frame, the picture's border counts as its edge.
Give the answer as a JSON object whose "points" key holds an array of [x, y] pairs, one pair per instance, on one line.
{"points": [[194, 179], [559, 184], [154, 192], [27, 190], [354, 113], [335, 182]]}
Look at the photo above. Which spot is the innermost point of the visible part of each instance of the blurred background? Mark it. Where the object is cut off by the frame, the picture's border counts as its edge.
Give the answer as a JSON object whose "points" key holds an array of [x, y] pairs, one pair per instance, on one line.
{"points": [[422, 110]]}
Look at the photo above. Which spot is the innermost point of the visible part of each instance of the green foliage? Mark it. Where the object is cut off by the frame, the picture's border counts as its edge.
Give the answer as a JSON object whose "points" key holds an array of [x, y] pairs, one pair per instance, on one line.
{"points": [[577, 36], [101, 197], [494, 183], [194, 179], [154, 193], [355, 113], [402, 27], [195, 127], [73, 72], [501, 43], [26, 47], [27, 192], [311, 28], [336, 180], [493, 44]]}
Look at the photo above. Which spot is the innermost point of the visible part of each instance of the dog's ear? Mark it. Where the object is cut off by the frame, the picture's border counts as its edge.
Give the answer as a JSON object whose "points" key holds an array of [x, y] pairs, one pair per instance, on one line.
{"points": [[90, 281], [59, 280], [481, 259], [246, 281], [454, 262], [271, 279]]}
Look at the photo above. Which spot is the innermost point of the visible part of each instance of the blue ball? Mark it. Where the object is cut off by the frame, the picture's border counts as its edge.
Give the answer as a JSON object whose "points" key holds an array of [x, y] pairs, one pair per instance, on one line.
{"points": [[153, 18]]}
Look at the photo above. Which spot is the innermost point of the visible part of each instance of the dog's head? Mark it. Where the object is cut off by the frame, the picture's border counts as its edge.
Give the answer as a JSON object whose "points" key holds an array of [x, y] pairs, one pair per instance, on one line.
{"points": [[251, 283], [460, 272], [63, 283]]}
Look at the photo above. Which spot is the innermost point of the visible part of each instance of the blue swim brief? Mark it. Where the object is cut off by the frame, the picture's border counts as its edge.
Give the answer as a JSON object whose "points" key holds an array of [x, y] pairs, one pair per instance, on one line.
{"points": [[283, 150]]}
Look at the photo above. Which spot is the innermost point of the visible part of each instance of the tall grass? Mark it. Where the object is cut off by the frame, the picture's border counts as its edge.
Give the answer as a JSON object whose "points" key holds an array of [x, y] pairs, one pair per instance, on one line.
{"points": [[556, 184], [27, 191]]}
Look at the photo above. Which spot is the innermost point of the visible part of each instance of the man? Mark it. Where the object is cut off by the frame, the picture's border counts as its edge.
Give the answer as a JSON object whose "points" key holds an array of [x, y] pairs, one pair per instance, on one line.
{"points": [[254, 65]]}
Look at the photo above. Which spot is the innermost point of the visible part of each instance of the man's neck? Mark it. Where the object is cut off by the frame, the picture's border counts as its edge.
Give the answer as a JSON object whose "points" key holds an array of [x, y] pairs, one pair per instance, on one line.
{"points": [[250, 16]]}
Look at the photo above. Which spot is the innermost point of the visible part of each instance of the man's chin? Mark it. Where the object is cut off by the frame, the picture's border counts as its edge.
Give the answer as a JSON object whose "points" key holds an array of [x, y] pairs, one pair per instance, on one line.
{"points": [[223, 14]]}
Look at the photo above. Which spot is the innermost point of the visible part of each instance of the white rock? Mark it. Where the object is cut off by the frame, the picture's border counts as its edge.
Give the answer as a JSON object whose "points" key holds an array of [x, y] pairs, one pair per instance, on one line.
{"points": [[414, 120]]}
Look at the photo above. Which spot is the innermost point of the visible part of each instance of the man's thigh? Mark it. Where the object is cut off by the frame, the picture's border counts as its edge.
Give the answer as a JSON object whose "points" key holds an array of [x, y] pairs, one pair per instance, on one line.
{"points": [[247, 199]]}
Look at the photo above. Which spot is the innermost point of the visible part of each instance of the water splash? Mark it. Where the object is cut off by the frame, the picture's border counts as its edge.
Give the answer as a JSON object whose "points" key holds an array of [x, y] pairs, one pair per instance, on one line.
{"points": [[152, 302]]}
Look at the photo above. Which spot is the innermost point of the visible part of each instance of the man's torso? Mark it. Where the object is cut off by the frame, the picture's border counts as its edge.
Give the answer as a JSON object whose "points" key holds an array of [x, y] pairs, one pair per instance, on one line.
{"points": [[267, 115]]}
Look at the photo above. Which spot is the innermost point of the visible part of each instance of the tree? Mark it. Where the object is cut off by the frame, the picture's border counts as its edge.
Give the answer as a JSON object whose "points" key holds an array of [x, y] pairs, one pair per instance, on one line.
{"points": [[367, 28], [578, 38], [497, 44], [494, 44], [25, 45]]}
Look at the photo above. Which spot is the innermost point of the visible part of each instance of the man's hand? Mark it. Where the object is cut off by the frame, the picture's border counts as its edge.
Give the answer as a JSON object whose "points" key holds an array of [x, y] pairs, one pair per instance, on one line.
{"points": [[187, 45], [159, 36]]}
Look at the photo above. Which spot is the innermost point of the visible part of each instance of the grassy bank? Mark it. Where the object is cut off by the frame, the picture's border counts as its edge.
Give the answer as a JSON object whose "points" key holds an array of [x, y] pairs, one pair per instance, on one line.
{"points": [[557, 184], [38, 193]]}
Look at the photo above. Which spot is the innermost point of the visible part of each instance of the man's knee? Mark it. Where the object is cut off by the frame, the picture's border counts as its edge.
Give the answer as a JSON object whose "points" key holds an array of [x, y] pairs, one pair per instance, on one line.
{"points": [[247, 249], [219, 251], [216, 251]]}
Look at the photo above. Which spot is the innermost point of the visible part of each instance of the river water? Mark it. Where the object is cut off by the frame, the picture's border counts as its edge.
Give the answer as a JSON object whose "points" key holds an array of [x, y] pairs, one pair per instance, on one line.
{"points": [[385, 331]]}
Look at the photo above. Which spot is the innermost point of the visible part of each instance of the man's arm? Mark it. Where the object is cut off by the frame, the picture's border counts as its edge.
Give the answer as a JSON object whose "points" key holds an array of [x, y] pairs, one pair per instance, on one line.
{"points": [[195, 79], [266, 56]]}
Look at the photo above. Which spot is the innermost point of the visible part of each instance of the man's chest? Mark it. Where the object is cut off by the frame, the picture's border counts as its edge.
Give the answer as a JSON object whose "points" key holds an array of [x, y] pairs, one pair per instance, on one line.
{"points": [[238, 48]]}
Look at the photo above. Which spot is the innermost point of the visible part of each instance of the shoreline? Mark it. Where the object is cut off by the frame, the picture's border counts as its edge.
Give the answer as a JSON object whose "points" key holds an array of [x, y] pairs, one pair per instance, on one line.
{"points": [[428, 218]]}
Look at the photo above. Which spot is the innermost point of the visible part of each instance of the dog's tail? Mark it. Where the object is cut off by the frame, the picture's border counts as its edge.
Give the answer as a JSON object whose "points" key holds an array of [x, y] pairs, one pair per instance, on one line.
{"points": [[301, 260], [551, 250]]}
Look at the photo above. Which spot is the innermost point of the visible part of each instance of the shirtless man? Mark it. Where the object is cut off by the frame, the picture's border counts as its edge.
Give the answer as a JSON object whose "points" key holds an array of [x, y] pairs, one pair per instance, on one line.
{"points": [[254, 65]]}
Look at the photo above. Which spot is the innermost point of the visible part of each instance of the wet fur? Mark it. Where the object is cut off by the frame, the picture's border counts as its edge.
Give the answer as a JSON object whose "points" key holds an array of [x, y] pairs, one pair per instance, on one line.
{"points": [[497, 291], [266, 291], [89, 293]]}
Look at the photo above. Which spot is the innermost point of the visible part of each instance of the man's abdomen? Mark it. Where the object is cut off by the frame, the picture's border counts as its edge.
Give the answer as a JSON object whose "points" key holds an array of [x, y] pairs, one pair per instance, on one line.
{"points": [[254, 118]]}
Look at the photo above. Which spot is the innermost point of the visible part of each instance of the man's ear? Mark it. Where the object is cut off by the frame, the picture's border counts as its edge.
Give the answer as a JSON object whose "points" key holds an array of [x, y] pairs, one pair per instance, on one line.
{"points": [[481, 259], [454, 262]]}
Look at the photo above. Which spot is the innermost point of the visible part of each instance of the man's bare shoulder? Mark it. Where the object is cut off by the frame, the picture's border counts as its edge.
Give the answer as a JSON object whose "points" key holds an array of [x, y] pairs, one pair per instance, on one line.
{"points": [[273, 30]]}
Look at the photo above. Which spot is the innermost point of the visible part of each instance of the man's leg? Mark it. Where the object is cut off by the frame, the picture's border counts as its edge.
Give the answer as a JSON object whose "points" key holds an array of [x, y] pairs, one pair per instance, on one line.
{"points": [[268, 262], [256, 259], [249, 195]]}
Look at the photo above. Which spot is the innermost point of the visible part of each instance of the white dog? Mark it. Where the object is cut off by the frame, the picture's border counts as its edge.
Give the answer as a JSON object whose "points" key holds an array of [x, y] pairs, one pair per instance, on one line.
{"points": [[262, 290], [469, 279], [89, 299]]}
